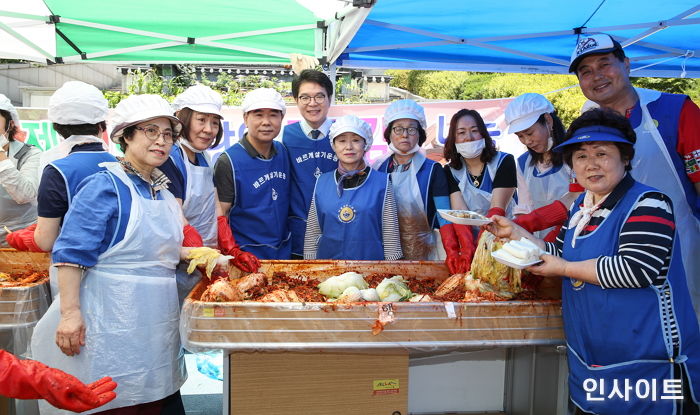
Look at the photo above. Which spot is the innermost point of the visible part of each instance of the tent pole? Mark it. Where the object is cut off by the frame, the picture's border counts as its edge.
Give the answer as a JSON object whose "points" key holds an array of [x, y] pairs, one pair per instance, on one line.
{"points": [[332, 72]]}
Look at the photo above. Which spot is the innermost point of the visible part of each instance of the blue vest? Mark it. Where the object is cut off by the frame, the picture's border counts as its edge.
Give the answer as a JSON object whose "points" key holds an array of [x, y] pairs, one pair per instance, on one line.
{"points": [[351, 225], [619, 333], [258, 216], [423, 177], [77, 166], [308, 159]]}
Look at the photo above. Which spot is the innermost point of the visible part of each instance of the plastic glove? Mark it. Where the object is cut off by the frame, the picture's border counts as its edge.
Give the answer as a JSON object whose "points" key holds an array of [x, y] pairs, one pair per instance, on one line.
{"points": [[192, 237], [449, 242], [553, 214], [576, 188], [495, 211], [23, 239], [466, 245], [491, 212], [245, 261], [29, 379]]}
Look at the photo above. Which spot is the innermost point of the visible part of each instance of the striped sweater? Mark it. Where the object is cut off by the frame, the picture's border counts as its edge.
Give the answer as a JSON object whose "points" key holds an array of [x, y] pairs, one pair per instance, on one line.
{"points": [[390, 225], [645, 241]]}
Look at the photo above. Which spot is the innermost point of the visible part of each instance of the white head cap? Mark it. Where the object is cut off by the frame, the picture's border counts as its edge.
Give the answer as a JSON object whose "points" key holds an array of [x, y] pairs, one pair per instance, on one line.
{"points": [[139, 108], [525, 110], [404, 108], [6, 105], [263, 98], [77, 103], [351, 124], [199, 98]]}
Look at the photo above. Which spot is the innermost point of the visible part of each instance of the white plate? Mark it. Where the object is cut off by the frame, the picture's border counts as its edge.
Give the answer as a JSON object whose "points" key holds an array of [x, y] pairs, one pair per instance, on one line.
{"points": [[445, 213], [506, 261]]}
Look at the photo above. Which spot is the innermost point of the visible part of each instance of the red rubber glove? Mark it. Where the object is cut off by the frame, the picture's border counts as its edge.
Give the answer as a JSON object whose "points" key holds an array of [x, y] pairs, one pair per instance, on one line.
{"points": [[495, 211], [451, 244], [553, 214], [29, 379], [576, 188], [23, 239], [467, 247], [245, 261], [192, 237]]}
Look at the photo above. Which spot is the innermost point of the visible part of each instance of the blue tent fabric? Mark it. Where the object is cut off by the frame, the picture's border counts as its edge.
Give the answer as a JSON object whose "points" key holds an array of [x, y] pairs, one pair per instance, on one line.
{"points": [[524, 36]]}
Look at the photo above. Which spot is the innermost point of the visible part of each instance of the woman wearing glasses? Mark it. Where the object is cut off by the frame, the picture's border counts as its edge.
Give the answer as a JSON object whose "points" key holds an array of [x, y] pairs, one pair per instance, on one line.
{"points": [[420, 187], [117, 310]]}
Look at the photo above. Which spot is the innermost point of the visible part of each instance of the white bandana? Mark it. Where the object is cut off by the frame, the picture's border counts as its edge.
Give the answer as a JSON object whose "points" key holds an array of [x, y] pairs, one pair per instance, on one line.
{"points": [[581, 218]]}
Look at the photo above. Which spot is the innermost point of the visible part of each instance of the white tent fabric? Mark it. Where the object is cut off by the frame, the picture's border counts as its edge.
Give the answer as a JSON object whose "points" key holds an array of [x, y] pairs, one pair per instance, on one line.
{"points": [[24, 37], [524, 36]]}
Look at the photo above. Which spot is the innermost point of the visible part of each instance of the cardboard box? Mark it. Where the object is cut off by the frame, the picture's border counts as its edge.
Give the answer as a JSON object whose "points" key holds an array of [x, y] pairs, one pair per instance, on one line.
{"points": [[277, 383]]}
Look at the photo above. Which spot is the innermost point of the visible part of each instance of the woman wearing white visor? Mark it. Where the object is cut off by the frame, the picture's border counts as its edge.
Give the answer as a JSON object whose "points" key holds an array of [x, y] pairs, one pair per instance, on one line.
{"points": [[19, 178], [352, 213], [117, 311], [189, 169], [420, 187], [546, 187]]}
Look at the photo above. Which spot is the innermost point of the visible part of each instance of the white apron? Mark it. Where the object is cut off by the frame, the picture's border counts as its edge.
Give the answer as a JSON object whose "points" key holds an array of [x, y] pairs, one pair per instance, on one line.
{"points": [[652, 166], [417, 237], [199, 208], [535, 192], [13, 215], [478, 200], [130, 309]]}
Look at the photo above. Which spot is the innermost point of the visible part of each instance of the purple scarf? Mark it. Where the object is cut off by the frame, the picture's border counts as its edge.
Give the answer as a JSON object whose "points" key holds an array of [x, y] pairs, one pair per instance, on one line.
{"points": [[345, 174]]}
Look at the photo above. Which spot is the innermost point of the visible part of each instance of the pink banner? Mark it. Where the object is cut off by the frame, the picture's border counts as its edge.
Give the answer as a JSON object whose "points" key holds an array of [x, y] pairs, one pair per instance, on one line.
{"points": [[438, 115]]}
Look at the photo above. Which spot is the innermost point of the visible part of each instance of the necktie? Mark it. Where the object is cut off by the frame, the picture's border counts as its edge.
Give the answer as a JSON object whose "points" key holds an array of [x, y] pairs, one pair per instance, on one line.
{"points": [[315, 134]]}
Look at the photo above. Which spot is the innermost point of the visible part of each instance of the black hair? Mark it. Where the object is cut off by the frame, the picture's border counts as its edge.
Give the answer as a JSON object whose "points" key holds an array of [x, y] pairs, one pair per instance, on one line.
{"points": [[558, 134], [312, 75], [10, 131], [421, 133], [605, 118], [79, 129], [451, 153], [185, 116], [127, 133]]}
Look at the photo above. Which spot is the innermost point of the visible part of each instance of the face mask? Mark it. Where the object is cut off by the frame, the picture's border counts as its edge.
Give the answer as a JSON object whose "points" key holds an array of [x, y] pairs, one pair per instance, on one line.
{"points": [[3, 141], [401, 153], [187, 144], [471, 149], [550, 143]]}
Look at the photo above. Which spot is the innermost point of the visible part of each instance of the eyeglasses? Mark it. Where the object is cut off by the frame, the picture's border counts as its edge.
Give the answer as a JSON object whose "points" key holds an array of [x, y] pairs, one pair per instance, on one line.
{"points": [[319, 99], [152, 133], [400, 130]]}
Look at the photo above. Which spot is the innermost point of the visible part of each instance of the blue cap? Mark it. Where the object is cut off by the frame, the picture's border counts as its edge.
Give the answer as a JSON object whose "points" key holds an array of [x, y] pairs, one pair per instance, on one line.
{"points": [[594, 133]]}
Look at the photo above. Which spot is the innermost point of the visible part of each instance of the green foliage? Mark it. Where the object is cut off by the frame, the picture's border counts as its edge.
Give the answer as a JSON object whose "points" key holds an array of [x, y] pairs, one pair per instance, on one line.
{"points": [[114, 97], [232, 89]]}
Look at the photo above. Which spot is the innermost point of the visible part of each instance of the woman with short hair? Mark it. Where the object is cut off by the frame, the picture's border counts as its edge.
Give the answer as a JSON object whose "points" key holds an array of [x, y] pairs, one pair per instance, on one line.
{"points": [[420, 188], [352, 213], [628, 317], [117, 311]]}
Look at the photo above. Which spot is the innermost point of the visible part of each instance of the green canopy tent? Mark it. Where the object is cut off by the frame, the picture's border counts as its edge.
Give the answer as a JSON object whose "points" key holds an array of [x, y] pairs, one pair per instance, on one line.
{"points": [[156, 31]]}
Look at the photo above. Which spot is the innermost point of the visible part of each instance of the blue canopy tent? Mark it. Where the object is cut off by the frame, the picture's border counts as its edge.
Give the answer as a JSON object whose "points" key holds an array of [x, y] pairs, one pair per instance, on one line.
{"points": [[661, 39]]}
